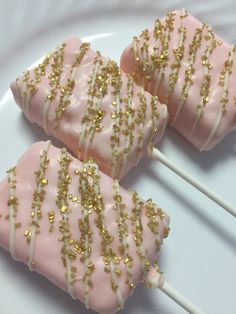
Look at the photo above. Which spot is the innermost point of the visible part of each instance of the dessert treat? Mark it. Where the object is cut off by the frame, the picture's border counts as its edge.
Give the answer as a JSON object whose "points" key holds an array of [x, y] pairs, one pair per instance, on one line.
{"points": [[77, 227], [97, 111], [191, 70], [86, 102]]}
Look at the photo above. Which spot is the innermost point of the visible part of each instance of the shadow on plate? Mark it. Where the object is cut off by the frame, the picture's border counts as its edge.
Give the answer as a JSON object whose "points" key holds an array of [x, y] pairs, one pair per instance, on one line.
{"points": [[206, 160], [146, 167], [35, 132]]}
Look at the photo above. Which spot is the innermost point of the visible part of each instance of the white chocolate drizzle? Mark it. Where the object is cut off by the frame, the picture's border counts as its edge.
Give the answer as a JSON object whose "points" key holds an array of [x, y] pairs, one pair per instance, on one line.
{"points": [[224, 82], [67, 89], [123, 231], [154, 278], [193, 48], [114, 281], [129, 110], [97, 105], [54, 78], [179, 54], [138, 237], [64, 181], [206, 81], [12, 204], [28, 86], [164, 53], [90, 100], [115, 165], [165, 118], [35, 210]]}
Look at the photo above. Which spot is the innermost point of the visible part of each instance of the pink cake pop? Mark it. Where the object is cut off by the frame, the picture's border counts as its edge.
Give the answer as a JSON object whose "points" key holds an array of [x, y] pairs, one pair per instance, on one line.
{"points": [[191, 70], [82, 231]]}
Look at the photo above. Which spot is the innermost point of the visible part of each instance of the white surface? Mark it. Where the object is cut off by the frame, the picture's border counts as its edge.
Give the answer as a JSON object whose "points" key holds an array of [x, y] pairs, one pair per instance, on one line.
{"points": [[199, 257]]}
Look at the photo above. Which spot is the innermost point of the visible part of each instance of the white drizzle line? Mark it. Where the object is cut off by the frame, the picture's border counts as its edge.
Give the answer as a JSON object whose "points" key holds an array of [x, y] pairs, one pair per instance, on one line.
{"points": [[11, 192], [188, 85], [155, 278], [119, 296], [221, 110], [141, 127], [24, 94], [130, 279], [85, 213], [117, 119], [24, 90], [111, 264], [33, 227], [130, 121], [165, 121], [86, 262], [206, 73], [69, 279], [140, 78], [27, 101], [161, 71], [90, 99], [48, 101], [140, 247], [180, 44], [98, 105]]}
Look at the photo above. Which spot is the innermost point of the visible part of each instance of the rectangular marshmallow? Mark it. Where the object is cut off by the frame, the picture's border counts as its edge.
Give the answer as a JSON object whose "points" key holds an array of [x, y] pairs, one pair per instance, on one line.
{"points": [[190, 69], [77, 227], [89, 104]]}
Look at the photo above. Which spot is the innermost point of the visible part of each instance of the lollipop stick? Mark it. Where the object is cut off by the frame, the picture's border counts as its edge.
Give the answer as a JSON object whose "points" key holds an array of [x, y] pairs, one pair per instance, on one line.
{"points": [[179, 298], [156, 154]]}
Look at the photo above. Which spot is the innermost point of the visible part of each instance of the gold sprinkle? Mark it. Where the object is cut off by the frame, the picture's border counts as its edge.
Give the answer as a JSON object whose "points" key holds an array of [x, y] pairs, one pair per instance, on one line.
{"points": [[27, 233], [44, 181], [118, 271], [64, 209], [76, 172]]}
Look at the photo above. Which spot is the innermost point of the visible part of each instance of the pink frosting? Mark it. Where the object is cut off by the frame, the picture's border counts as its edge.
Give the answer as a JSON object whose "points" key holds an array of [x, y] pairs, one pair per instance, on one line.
{"points": [[47, 250], [69, 128], [212, 126]]}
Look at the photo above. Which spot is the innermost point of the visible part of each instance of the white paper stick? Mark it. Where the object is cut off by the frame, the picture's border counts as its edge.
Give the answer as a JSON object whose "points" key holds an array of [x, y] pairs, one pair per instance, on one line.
{"points": [[180, 299], [156, 154]]}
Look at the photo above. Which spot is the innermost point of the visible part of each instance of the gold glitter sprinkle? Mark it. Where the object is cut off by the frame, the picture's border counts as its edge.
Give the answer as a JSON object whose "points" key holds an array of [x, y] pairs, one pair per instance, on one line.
{"points": [[223, 79], [123, 233], [44, 181], [97, 89], [190, 70], [64, 209], [39, 192], [67, 90], [35, 79], [51, 218], [17, 224], [12, 201], [178, 54], [27, 234], [138, 233]]}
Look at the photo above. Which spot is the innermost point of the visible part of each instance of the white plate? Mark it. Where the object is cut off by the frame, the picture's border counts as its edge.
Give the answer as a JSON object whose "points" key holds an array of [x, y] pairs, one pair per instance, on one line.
{"points": [[199, 257]]}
